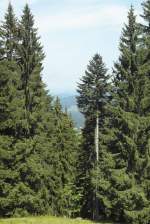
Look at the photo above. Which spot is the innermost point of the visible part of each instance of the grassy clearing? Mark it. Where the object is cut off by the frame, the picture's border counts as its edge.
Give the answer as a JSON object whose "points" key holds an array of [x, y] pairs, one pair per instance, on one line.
{"points": [[44, 220]]}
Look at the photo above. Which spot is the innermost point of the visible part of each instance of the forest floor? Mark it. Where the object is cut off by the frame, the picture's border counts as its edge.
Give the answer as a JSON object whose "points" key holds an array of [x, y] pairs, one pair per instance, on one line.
{"points": [[45, 220]]}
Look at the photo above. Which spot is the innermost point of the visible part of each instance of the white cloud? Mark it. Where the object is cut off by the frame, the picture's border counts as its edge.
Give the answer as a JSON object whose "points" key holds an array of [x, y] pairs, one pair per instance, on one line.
{"points": [[16, 3], [19, 2], [73, 51], [107, 15], [77, 14]]}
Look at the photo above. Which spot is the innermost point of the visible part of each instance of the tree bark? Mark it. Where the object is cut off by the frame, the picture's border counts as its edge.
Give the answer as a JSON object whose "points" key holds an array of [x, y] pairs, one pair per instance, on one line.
{"points": [[97, 138], [95, 209]]}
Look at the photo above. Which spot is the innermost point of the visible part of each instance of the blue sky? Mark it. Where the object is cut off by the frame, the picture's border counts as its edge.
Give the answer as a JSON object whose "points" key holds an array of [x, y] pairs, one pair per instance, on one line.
{"points": [[72, 31]]}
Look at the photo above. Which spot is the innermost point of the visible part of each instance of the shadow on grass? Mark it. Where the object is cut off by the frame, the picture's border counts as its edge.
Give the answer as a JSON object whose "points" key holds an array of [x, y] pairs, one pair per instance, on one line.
{"points": [[107, 222]]}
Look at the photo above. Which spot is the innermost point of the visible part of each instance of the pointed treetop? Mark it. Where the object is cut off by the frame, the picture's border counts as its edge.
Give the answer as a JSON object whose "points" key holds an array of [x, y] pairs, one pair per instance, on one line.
{"points": [[9, 31], [9, 5], [10, 18], [146, 13], [129, 32], [131, 13], [131, 18], [26, 7], [93, 87], [27, 17], [57, 104], [10, 11], [98, 65]]}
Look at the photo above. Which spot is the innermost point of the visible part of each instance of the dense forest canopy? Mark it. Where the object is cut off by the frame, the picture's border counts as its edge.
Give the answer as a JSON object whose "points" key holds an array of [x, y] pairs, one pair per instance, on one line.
{"points": [[47, 166]]}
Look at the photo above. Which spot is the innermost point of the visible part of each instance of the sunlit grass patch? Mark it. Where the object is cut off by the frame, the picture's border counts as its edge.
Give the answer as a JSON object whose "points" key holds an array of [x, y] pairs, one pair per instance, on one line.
{"points": [[44, 220]]}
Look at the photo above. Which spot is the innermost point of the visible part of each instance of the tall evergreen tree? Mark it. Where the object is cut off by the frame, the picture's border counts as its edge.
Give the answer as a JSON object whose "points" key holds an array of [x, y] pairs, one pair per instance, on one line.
{"points": [[33, 143], [143, 100], [92, 100], [10, 110], [9, 33], [10, 104], [38, 143], [146, 15], [127, 123], [30, 60], [64, 162], [28, 193]]}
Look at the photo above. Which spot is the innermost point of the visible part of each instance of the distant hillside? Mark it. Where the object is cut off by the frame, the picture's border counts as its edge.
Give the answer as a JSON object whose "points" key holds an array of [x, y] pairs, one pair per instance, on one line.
{"points": [[70, 103]]}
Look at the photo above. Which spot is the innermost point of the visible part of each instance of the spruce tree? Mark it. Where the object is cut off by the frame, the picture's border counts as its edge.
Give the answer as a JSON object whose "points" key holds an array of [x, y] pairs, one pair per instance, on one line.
{"points": [[33, 144], [30, 61], [9, 33], [143, 99], [129, 202], [10, 104], [64, 162], [38, 143], [29, 193], [10, 111], [92, 100]]}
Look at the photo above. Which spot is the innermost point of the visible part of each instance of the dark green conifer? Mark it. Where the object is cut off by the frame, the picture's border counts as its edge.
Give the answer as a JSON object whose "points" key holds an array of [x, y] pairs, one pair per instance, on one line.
{"points": [[10, 104], [130, 86], [9, 33], [92, 100], [65, 146], [33, 144], [30, 61]]}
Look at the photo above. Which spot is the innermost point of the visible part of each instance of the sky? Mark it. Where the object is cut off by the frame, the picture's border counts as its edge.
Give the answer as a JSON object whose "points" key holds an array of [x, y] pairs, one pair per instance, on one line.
{"points": [[72, 31]]}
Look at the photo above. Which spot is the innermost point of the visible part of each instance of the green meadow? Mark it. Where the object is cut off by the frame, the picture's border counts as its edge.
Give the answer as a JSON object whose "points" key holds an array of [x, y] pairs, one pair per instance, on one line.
{"points": [[45, 220]]}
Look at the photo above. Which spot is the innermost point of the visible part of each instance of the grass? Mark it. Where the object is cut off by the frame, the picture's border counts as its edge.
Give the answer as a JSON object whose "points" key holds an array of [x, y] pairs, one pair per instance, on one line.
{"points": [[44, 220]]}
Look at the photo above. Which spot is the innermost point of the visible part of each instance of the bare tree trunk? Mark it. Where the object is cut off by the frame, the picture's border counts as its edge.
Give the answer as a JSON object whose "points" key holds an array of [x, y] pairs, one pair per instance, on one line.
{"points": [[97, 138], [95, 209]]}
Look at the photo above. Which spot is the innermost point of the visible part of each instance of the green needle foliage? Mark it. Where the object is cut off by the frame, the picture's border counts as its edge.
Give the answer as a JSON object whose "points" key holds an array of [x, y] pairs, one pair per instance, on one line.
{"points": [[121, 176], [10, 101], [65, 144], [92, 100], [38, 144], [46, 166], [129, 202], [9, 33]]}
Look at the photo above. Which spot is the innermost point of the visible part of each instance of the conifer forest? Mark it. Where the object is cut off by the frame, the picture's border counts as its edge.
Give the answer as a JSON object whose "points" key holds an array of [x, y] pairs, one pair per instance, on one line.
{"points": [[47, 166]]}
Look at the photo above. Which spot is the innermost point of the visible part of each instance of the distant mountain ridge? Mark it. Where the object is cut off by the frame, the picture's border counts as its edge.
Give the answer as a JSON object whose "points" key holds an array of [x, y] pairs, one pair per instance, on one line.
{"points": [[70, 103]]}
